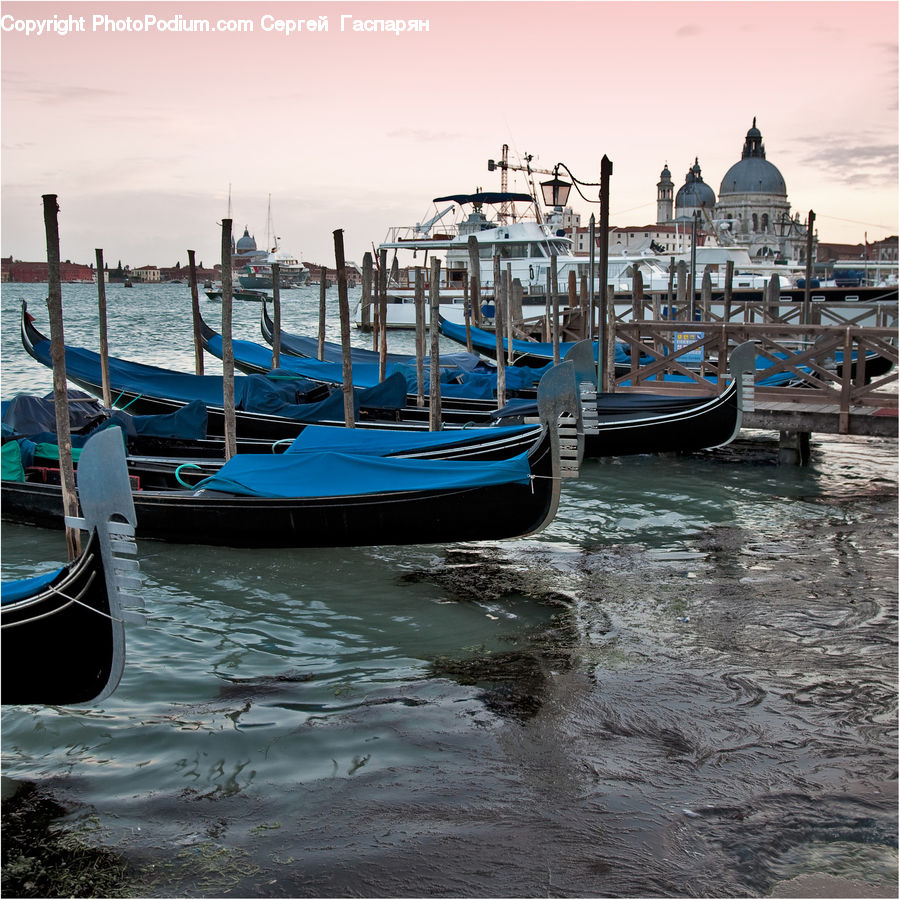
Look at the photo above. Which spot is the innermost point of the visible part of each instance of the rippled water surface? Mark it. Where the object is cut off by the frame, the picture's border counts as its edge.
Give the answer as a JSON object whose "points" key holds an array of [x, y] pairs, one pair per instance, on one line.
{"points": [[685, 686]]}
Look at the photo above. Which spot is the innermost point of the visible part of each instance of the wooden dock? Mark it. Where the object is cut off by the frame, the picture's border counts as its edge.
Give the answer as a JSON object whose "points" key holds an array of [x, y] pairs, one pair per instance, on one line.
{"points": [[823, 396]]}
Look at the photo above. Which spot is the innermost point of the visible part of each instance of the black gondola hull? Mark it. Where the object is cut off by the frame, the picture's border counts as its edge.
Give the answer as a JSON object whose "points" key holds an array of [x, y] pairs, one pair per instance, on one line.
{"points": [[58, 646], [701, 425], [409, 517]]}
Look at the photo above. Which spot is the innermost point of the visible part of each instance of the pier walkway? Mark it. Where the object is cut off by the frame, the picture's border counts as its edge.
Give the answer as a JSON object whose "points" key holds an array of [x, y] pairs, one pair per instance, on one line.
{"points": [[825, 395]]}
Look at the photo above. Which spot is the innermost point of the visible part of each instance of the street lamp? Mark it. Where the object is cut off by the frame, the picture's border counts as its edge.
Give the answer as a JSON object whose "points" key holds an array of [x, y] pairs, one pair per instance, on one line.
{"points": [[555, 191], [555, 194]]}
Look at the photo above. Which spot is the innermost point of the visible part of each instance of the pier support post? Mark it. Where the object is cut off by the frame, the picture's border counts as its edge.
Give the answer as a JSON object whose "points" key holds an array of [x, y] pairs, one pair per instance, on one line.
{"points": [[793, 448]]}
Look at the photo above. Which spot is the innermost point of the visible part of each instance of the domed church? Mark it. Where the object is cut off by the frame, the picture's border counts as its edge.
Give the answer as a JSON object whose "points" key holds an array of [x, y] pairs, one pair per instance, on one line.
{"points": [[694, 195], [245, 251], [752, 210]]}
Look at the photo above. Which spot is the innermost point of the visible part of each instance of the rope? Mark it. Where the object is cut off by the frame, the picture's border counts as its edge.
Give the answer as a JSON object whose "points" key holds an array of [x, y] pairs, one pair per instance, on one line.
{"points": [[185, 466], [59, 609], [136, 397]]}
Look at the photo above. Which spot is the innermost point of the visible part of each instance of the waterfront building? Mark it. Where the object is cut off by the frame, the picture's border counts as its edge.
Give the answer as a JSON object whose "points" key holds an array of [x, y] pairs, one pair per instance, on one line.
{"points": [[244, 251], [14, 270], [665, 194], [695, 196], [146, 274], [752, 210]]}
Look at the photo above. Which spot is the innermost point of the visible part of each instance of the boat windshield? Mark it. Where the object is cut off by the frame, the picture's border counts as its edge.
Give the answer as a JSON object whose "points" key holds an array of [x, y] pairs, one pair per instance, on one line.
{"points": [[525, 250]]}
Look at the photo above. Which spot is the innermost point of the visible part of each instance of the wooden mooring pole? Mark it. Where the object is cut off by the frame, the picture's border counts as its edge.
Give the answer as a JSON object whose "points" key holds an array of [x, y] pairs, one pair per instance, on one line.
{"points": [[637, 294], [606, 168], [592, 274], [230, 425], [419, 299], [58, 358], [467, 311], [344, 306], [474, 278], [276, 315], [195, 312], [729, 280], [552, 304], [323, 287], [104, 338], [554, 325], [807, 287], [365, 316], [499, 317], [382, 315], [434, 391]]}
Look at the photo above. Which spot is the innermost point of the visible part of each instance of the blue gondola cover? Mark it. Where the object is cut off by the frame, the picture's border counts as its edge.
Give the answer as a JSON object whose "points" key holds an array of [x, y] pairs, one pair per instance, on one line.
{"points": [[329, 474]]}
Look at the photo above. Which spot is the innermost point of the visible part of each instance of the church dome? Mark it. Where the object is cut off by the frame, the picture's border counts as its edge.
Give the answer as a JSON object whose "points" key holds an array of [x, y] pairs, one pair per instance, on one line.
{"points": [[753, 174], [246, 243], [695, 193]]}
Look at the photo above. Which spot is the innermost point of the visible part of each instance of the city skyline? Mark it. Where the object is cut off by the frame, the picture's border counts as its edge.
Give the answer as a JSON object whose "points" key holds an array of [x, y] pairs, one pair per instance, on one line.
{"points": [[144, 128]]}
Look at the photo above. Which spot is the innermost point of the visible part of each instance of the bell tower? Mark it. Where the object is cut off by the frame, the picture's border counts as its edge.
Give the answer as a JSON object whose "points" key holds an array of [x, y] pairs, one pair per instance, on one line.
{"points": [[665, 193]]}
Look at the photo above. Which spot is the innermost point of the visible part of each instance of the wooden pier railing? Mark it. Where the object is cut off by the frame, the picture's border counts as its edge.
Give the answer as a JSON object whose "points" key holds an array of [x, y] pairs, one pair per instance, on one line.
{"points": [[825, 394]]}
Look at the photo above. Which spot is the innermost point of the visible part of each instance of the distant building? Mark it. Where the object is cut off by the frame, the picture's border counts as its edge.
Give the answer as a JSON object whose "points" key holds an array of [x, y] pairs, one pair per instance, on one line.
{"points": [[631, 240], [354, 274], [752, 209], [146, 274], [695, 196], [878, 251], [29, 272], [244, 251]]}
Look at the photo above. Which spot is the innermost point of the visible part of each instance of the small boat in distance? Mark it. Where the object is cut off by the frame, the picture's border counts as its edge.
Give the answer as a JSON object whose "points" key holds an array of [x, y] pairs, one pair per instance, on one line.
{"points": [[241, 294]]}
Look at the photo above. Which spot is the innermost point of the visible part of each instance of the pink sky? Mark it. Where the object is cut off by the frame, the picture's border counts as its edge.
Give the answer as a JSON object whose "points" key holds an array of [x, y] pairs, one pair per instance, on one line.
{"points": [[141, 133]]}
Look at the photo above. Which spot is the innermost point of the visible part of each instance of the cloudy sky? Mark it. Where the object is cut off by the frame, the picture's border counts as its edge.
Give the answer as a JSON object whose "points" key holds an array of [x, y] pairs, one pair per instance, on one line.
{"points": [[141, 127]]}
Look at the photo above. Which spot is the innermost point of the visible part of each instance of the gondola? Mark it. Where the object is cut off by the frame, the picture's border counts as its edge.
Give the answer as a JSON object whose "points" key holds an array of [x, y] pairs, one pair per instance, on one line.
{"points": [[241, 294], [63, 633], [308, 348], [634, 423], [630, 423], [157, 443], [466, 384], [534, 354], [322, 498], [266, 408]]}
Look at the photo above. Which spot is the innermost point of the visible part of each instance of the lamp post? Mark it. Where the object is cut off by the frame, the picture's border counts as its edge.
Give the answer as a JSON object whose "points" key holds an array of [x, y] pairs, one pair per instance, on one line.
{"points": [[556, 193], [692, 282]]}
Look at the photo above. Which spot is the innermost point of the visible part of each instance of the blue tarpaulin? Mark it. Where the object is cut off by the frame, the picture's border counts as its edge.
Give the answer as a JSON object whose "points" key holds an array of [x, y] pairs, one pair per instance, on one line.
{"points": [[486, 342], [328, 474], [13, 591], [253, 393], [383, 442]]}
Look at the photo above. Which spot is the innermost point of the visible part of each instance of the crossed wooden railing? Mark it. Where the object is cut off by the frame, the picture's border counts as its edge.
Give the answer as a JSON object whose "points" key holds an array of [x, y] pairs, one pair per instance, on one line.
{"points": [[809, 358]]}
